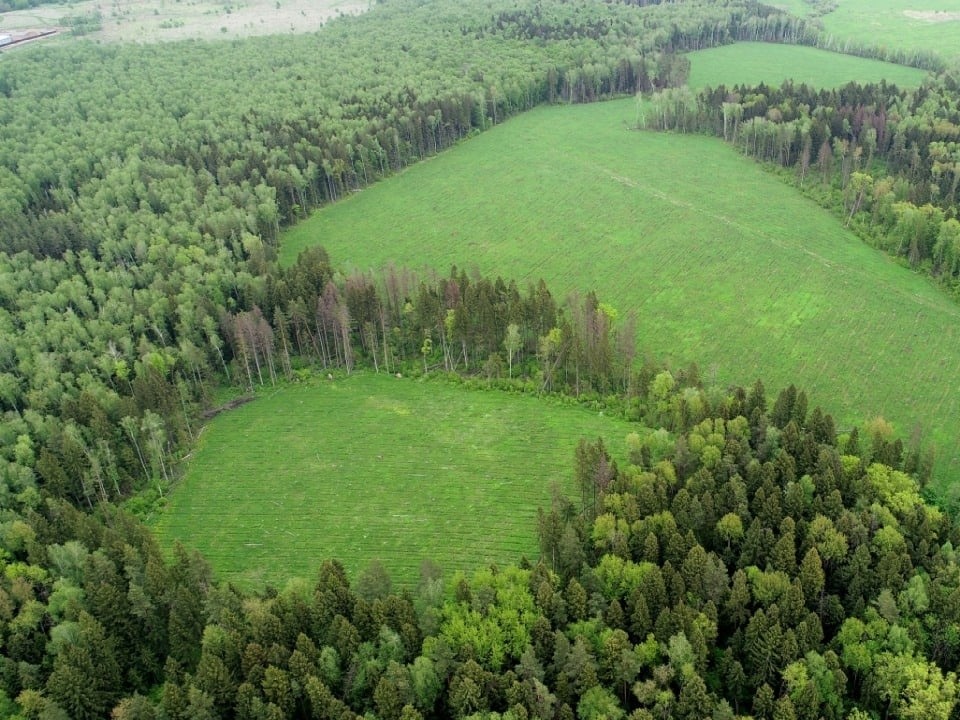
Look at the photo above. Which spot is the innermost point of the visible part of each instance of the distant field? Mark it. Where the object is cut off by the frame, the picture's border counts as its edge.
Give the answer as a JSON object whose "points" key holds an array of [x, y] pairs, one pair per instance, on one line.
{"points": [[911, 24], [907, 24], [161, 20], [376, 467], [726, 266], [772, 64]]}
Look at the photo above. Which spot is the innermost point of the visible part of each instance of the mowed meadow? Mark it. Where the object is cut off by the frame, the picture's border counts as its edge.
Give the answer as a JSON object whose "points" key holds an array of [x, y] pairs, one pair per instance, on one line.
{"points": [[927, 25], [765, 62], [375, 467], [725, 265]]}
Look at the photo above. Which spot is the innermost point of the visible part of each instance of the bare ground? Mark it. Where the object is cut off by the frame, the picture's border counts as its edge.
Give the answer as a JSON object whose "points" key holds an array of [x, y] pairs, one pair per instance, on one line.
{"points": [[163, 20], [933, 16]]}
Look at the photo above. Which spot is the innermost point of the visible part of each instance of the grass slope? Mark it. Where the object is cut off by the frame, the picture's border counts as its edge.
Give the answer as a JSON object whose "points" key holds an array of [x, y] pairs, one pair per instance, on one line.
{"points": [[376, 467], [926, 25], [772, 64], [725, 265], [905, 24]]}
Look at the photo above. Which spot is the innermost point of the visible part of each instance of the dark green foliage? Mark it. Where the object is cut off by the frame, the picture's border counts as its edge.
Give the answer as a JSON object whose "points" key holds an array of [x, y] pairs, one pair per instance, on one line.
{"points": [[86, 677]]}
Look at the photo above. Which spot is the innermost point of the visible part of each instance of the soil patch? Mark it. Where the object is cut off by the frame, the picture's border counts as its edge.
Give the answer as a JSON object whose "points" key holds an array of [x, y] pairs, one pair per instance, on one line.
{"points": [[932, 16]]}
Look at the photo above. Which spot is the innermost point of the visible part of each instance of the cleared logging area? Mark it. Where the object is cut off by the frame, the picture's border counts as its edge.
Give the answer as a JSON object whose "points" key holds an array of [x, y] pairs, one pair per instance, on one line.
{"points": [[765, 62], [147, 21], [927, 25], [373, 466]]}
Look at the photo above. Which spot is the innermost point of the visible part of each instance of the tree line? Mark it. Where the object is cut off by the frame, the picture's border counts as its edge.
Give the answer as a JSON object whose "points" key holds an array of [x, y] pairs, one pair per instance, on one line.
{"points": [[886, 160], [460, 323]]}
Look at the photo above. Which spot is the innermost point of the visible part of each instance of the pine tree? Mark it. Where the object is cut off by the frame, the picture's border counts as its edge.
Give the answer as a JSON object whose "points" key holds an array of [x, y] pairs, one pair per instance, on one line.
{"points": [[694, 702], [85, 681]]}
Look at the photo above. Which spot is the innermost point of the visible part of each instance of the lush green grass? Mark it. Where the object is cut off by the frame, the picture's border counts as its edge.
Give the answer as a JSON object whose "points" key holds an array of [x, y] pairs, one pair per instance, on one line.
{"points": [[902, 24], [908, 24], [771, 63], [376, 467], [725, 265]]}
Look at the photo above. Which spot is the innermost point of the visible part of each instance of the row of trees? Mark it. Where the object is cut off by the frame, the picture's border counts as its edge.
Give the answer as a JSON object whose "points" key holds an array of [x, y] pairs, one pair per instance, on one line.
{"points": [[463, 323], [887, 159]]}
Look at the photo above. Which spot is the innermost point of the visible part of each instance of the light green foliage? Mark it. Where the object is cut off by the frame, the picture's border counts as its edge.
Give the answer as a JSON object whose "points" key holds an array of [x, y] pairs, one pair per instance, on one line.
{"points": [[780, 289], [730, 527], [915, 688], [618, 577], [830, 543], [497, 631], [598, 703], [660, 444], [375, 467], [681, 654], [898, 491], [610, 531], [816, 681], [751, 63], [767, 587]]}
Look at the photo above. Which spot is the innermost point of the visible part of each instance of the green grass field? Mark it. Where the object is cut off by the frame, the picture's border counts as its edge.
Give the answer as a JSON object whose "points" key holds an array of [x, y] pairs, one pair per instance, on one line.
{"points": [[908, 24], [376, 467], [772, 64], [903, 24], [725, 265]]}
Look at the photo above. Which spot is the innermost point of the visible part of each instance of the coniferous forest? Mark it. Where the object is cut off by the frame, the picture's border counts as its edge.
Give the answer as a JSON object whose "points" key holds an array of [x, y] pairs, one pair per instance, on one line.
{"points": [[749, 559]]}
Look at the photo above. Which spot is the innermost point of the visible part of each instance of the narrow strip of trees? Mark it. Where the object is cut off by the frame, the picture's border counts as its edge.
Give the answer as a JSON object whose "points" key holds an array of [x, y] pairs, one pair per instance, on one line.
{"points": [[886, 160]]}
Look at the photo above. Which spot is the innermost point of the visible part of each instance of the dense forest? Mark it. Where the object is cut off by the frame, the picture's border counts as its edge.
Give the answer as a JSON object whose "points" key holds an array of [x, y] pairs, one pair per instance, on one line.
{"points": [[747, 560], [887, 160], [757, 565]]}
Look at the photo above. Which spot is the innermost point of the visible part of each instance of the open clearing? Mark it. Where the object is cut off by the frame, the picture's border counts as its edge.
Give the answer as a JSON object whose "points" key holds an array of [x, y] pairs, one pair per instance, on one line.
{"points": [[162, 20], [376, 467], [923, 25], [772, 64], [725, 265]]}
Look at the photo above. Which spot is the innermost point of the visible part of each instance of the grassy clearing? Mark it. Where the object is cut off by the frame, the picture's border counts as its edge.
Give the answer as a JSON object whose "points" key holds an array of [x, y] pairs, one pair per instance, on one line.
{"points": [[164, 20], [725, 265], [904, 24], [908, 24], [376, 467], [772, 64]]}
